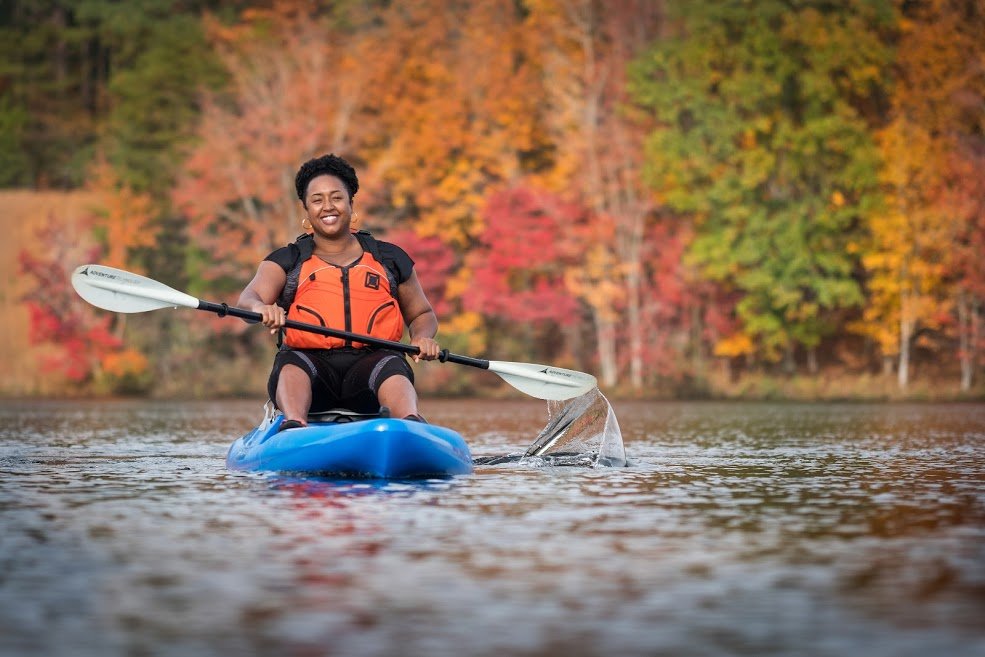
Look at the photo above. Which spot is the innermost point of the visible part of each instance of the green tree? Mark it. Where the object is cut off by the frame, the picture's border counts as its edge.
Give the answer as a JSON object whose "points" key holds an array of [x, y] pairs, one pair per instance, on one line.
{"points": [[14, 162], [155, 102], [51, 70], [764, 141], [77, 76]]}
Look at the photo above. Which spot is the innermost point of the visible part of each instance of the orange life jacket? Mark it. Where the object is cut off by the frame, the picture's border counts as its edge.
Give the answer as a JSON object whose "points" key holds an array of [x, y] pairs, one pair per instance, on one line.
{"points": [[356, 298]]}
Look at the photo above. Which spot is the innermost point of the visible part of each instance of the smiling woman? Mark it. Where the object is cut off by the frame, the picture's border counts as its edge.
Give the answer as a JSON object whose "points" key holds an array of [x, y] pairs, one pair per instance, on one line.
{"points": [[333, 276]]}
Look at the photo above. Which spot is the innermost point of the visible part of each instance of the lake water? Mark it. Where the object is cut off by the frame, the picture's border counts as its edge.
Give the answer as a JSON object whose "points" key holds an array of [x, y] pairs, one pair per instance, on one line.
{"points": [[737, 529]]}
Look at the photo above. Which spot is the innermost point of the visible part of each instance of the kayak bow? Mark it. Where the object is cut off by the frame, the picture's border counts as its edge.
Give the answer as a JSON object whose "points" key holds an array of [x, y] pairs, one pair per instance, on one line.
{"points": [[379, 448]]}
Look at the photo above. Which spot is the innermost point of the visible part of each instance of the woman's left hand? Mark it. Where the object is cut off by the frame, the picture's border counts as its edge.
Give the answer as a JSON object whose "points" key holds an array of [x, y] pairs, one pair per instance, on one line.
{"points": [[429, 349]]}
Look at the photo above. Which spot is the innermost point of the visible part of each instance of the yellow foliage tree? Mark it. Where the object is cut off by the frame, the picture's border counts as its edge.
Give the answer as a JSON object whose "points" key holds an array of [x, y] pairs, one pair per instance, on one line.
{"points": [[121, 218], [907, 262], [584, 50], [457, 106], [911, 253]]}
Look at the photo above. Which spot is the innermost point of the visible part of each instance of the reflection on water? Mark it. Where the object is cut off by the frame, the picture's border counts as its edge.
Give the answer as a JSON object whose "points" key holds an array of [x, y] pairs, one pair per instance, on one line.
{"points": [[736, 529], [328, 487]]}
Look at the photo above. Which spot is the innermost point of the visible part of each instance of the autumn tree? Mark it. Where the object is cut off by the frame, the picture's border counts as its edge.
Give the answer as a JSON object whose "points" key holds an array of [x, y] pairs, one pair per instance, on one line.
{"points": [[83, 338], [294, 93], [936, 126], [122, 219], [763, 140], [585, 49], [458, 106], [434, 104], [967, 200], [520, 261], [434, 262], [964, 198], [673, 310], [907, 262]]}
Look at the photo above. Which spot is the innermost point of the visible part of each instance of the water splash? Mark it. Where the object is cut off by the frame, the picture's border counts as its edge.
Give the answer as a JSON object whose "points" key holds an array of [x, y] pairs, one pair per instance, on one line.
{"points": [[584, 429]]}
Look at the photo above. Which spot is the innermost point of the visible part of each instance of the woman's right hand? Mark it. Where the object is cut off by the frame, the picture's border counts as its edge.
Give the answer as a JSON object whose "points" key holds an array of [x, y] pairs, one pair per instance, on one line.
{"points": [[273, 316], [266, 286]]}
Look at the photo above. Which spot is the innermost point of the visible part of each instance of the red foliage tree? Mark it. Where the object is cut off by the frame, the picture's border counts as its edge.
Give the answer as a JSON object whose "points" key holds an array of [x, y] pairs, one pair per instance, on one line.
{"points": [[433, 262], [670, 294], [83, 337], [518, 267], [966, 199]]}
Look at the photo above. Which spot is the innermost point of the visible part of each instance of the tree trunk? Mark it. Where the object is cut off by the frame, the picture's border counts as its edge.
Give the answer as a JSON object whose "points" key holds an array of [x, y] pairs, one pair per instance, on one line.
{"points": [[789, 362], [697, 346], [812, 360], [964, 339], [59, 20], [605, 332], [609, 148], [905, 338], [635, 321], [976, 337]]}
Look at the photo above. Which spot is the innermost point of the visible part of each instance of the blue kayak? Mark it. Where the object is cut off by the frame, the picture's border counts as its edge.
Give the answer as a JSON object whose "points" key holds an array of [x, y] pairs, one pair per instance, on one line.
{"points": [[378, 447]]}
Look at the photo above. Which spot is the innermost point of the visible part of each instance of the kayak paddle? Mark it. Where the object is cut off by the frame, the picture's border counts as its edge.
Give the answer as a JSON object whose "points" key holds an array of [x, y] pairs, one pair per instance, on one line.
{"points": [[126, 292]]}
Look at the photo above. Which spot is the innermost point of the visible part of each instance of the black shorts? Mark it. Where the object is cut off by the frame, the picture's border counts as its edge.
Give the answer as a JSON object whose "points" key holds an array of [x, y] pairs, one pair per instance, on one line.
{"points": [[343, 377]]}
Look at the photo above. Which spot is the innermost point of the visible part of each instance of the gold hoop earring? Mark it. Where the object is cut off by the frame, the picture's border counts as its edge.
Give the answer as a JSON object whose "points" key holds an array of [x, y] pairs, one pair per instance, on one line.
{"points": [[355, 217], [305, 221]]}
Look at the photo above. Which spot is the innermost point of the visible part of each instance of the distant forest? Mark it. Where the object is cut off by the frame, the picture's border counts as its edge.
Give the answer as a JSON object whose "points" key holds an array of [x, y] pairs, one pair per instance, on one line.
{"points": [[687, 199]]}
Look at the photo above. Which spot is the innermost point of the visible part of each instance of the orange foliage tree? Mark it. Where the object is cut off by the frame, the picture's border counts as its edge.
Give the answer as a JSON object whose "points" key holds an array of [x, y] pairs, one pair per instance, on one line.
{"points": [[907, 263], [585, 48], [967, 200], [88, 343], [122, 219], [296, 91], [437, 105], [458, 105], [936, 113], [434, 105]]}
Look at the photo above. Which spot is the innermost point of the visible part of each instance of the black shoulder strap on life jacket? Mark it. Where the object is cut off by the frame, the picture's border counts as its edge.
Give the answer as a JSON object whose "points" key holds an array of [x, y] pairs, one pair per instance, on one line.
{"points": [[372, 247], [305, 245]]}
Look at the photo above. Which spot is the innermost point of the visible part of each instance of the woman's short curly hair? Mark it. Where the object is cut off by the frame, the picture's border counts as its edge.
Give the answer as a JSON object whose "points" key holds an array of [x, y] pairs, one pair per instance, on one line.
{"points": [[332, 165]]}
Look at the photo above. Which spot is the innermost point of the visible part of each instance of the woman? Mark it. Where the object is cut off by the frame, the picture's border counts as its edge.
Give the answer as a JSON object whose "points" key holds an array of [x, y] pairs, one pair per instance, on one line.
{"points": [[343, 280]]}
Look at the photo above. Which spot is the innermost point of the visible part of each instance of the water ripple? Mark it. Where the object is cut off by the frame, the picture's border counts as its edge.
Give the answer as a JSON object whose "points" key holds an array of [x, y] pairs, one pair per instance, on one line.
{"points": [[736, 529]]}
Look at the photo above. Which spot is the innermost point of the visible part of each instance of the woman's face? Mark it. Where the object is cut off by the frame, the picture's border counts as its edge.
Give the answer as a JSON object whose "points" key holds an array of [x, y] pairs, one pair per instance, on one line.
{"points": [[328, 205]]}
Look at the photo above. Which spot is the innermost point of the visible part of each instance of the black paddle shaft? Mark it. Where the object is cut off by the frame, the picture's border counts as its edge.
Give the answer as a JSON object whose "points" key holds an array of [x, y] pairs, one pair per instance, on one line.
{"points": [[445, 356]]}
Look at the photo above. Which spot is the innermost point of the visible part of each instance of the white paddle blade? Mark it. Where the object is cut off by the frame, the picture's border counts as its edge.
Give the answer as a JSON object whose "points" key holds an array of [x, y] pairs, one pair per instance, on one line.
{"points": [[544, 381], [126, 292]]}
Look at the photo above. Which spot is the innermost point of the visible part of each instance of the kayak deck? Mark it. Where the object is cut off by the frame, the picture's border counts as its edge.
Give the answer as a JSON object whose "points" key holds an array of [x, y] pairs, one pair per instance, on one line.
{"points": [[382, 448]]}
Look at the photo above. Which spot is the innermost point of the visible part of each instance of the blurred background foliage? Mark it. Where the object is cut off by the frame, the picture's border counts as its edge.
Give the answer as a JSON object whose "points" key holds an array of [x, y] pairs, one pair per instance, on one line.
{"points": [[724, 198]]}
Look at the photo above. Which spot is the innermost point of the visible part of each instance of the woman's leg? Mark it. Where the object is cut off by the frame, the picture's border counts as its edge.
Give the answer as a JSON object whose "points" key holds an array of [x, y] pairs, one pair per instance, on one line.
{"points": [[293, 396], [398, 394]]}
